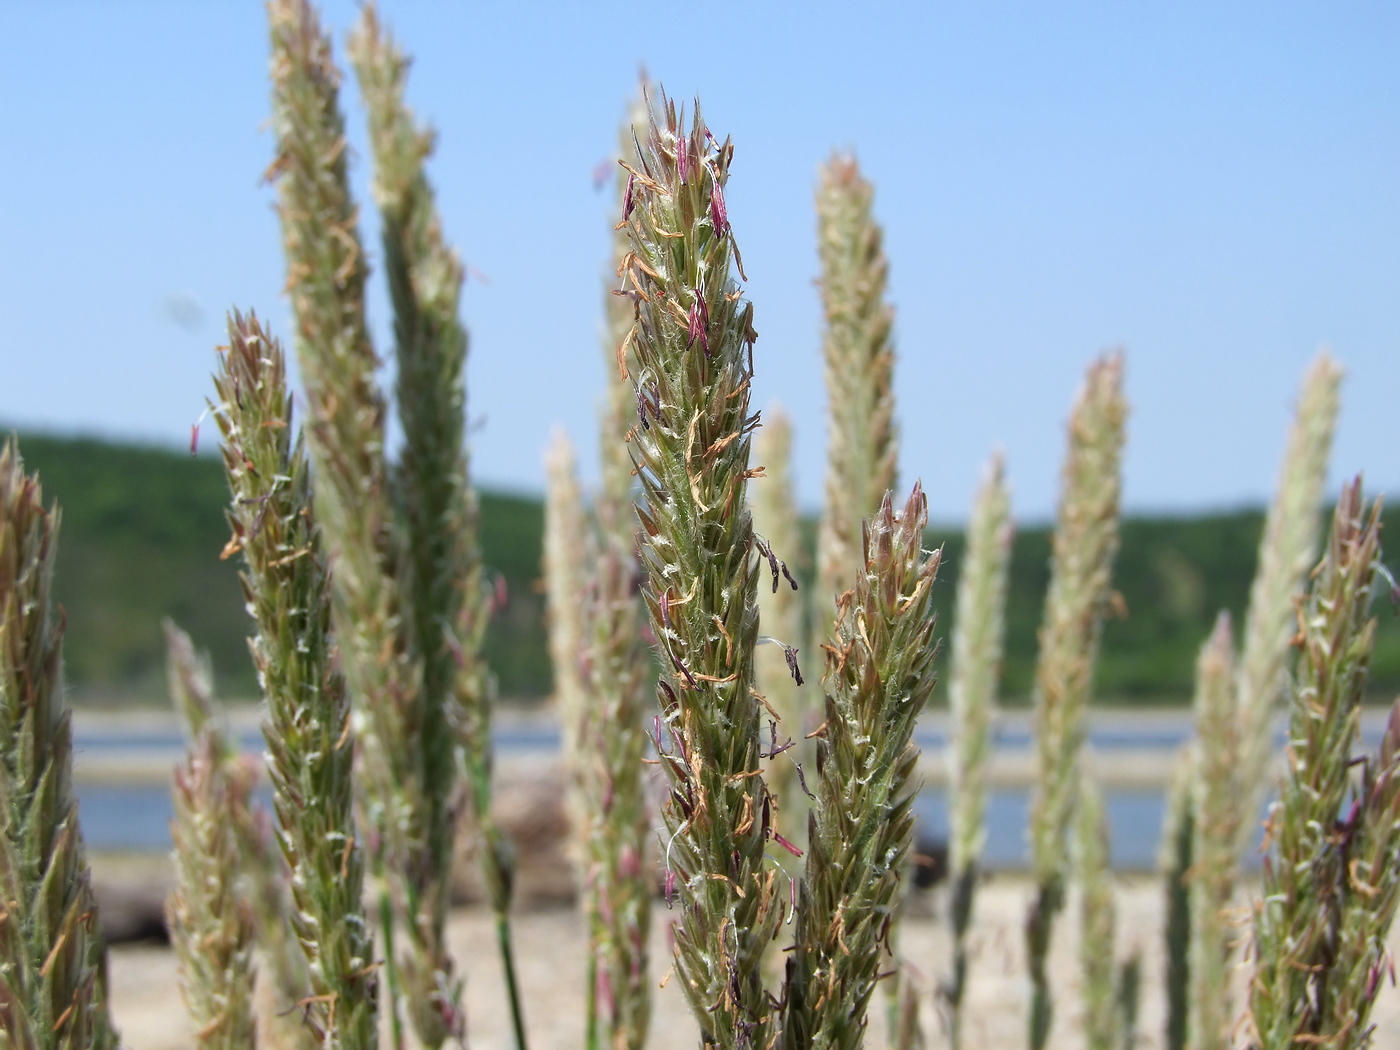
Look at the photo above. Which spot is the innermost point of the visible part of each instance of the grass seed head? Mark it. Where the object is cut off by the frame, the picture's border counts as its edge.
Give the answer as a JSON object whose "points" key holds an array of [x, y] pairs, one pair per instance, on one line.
{"points": [[693, 337], [879, 674], [1083, 548], [1330, 879], [862, 442], [1287, 551], [52, 956], [978, 637], [308, 733]]}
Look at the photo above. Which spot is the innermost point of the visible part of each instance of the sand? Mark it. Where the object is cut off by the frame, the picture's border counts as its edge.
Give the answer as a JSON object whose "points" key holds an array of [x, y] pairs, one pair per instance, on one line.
{"points": [[550, 948]]}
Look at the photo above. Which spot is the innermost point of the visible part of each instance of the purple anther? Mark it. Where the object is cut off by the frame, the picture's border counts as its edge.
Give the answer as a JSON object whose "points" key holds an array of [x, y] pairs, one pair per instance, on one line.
{"points": [[685, 671], [699, 322], [786, 844], [665, 687], [719, 216]]}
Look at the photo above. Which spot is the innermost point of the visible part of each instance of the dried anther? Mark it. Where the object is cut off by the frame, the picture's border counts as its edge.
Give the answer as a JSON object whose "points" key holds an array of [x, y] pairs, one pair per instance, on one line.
{"points": [[774, 566], [790, 653]]}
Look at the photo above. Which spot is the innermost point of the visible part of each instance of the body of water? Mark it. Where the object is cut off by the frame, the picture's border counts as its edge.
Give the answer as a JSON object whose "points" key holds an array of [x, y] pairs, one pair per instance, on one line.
{"points": [[136, 816]]}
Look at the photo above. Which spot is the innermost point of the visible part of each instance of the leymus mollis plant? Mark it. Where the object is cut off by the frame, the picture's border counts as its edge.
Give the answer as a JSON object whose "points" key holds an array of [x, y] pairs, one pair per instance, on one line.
{"points": [[693, 338], [52, 956], [262, 885], [308, 732], [879, 674], [210, 920], [1098, 921], [1083, 548], [862, 445], [1332, 875], [1286, 552], [781, 617], [979, 634], [1215, 787]]}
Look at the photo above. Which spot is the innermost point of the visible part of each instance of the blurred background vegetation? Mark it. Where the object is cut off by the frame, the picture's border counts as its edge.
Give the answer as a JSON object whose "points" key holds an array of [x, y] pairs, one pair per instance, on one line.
{"points": [[143, 527]]}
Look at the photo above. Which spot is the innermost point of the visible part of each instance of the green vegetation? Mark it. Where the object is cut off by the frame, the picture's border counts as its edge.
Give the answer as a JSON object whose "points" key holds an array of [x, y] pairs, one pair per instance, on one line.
{"points": [[142, 532], [142, 528], [1174, 574]]}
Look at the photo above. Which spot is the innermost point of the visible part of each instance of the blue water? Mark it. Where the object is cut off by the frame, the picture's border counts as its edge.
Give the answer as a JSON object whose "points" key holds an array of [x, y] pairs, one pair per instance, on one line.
{"points": [[138, 818], [125, 817], [514, 738], [1134, 817], [546, 738]]}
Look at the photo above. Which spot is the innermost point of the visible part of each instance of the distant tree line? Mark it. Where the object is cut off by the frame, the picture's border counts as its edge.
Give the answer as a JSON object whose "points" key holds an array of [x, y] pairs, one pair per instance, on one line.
{"points": [[143, 528]]}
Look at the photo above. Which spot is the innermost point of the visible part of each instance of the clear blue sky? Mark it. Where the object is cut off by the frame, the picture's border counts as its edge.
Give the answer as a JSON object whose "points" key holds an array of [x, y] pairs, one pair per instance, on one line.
{"points": [[1214, 186]]}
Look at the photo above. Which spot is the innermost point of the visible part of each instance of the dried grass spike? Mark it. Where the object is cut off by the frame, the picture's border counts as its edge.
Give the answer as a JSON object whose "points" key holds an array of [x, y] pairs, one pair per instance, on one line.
{"points": [[879, 674]]}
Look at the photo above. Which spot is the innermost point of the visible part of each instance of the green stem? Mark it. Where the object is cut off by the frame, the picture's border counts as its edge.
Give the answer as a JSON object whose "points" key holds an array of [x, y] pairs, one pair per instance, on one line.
{"points": [[503, 938], [391, 966], [590, 1036], [498, 871]]}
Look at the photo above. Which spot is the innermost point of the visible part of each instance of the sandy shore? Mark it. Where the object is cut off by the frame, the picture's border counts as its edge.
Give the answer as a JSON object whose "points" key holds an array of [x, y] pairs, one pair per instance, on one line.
{"points": [[550, 946]]}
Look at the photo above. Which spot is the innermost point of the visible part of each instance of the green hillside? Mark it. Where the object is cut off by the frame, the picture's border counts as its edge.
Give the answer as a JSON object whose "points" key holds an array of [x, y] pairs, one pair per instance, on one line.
{"points": [[143, 528], [141, 533]]}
